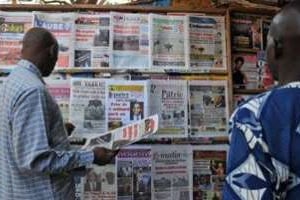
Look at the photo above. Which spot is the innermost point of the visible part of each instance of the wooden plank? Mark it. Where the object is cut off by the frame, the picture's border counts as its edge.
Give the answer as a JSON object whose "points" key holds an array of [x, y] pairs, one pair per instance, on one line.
{"points": [[119, 8], [249, 91], [229, 68], [252, 10]]}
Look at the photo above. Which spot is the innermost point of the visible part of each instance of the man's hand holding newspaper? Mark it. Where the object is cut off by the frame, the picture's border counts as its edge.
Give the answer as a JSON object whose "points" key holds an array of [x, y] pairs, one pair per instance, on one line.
{"points": [[106, 146]]}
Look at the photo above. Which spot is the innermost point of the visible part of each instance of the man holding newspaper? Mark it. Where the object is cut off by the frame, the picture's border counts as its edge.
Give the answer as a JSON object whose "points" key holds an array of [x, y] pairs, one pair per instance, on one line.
{"points": [[36, 162]]}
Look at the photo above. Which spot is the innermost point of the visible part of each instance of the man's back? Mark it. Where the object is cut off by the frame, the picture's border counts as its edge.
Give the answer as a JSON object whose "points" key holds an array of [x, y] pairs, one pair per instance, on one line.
{"points": [[266, 132], [30, 122]]}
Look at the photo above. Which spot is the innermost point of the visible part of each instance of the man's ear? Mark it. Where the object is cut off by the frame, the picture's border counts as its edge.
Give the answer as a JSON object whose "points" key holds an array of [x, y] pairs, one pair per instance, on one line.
{"points": [[53, 50], [278, 48]]}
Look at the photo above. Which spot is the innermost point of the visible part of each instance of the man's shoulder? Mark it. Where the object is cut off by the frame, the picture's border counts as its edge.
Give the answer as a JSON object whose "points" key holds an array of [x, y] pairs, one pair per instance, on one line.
{"points": [[252, 106]]}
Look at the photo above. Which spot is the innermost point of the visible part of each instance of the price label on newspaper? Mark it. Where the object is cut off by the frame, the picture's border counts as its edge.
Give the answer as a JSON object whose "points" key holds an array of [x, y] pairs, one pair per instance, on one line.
{"points": [[120, 137]]}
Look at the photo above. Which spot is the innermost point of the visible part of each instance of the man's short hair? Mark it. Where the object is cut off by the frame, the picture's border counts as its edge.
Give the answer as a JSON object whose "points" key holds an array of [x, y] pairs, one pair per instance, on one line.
{"points": [[239, 59]]}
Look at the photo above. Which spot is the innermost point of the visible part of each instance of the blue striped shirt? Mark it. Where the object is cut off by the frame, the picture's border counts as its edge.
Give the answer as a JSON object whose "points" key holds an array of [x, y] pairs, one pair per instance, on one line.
{"points": [[264, 161], [36, 162]]}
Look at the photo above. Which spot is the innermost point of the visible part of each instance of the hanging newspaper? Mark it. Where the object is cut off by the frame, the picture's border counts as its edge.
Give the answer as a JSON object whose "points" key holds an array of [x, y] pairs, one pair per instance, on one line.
{"points": [[87, 105], [92, 41], [5, 1], [13, 26], [120, 137], [134, 173], [246, 74], [169, 100], [209, 164], [207, 44], [60, 91], [127, 101], [171, 172], [266, 78], [62, 25], [100, 183], [168, 41], [208, 108], [130, 38]]}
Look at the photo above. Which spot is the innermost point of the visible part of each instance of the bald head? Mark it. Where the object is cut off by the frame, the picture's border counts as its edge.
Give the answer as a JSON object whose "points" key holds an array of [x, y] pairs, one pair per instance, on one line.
{"points": [[284, 44], [41, 48]]}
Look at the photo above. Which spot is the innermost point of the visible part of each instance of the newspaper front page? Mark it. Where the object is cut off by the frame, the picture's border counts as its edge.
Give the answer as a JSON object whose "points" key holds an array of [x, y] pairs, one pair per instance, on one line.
{"points": [[87, 105], [171, 172], [13, 26], [127, 101], [133, 167], [100, 183], [207, 44], [60, 91], [169, 99], [130, 38], [209, 108], [62, 25], [168, 41], [92, 45], [209, 165]]}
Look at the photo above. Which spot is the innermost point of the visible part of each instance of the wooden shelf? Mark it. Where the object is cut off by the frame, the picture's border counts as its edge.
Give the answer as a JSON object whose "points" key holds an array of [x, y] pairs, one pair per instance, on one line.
{"points": [[132, 71], [263, 10], [249, 91], [117, 8], [244, 50], [142, 71]]}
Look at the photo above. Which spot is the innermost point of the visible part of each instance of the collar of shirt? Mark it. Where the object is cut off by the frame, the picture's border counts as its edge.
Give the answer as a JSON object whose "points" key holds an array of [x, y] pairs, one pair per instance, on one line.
{"points": [[295, 84], [32, 68]]}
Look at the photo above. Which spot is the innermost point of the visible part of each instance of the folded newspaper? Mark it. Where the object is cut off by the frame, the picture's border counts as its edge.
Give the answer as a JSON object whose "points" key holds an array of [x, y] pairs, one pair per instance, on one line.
{"points": [[120, 137]]}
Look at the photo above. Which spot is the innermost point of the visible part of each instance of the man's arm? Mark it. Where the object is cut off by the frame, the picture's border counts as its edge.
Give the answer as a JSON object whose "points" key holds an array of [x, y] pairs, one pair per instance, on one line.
{"points": [[31, 147], [249, 163]]}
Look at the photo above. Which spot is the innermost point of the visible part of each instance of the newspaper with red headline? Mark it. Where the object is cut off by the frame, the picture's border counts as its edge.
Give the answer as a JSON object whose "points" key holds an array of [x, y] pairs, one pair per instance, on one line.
{"points": [[120, 137]]}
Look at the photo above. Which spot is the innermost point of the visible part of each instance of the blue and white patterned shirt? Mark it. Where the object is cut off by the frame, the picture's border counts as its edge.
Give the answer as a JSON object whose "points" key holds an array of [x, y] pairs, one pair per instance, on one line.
{"points": [[264, 155], [36, 162]]}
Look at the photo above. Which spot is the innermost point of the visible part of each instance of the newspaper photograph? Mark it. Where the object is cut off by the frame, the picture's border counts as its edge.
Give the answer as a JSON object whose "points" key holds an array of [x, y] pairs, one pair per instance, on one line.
{"points": [[13, 26], [169, 100], [92, 42], [209, 108], [168, 41], [126, 101], [100, 183], [209, 165], [87, 105], [62, 25], [134, 173], [171, 172], [60, 91], [246, 73], [207, 43], [124, 136], [130, 40]]}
